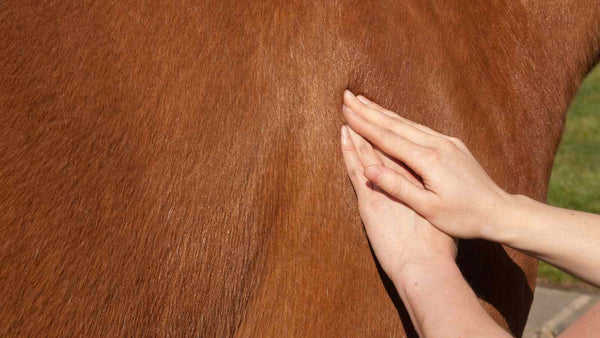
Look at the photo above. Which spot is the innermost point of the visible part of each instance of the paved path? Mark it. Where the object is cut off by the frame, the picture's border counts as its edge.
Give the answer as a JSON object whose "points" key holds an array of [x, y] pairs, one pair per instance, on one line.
{"points": [[554, 310]]}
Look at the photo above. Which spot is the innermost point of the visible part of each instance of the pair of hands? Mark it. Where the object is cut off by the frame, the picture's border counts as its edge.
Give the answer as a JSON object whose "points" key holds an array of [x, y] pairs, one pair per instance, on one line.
{"points": [[410, 216]]}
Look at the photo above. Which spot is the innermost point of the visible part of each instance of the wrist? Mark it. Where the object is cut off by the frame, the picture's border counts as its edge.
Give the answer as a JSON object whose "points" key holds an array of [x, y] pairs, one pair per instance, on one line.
{"points": [[411, 273], [505, 225]]}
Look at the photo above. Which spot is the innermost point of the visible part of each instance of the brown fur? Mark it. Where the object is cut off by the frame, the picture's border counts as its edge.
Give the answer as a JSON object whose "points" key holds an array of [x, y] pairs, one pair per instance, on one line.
{"points": [[173, 167]]}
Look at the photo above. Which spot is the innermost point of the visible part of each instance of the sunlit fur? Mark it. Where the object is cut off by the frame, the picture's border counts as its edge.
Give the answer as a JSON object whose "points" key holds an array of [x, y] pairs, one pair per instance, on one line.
{"points": [[173, 167]]}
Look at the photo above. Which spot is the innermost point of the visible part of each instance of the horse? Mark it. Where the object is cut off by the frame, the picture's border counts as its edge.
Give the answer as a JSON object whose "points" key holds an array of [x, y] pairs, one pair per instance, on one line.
{"points": [[173, 168]]}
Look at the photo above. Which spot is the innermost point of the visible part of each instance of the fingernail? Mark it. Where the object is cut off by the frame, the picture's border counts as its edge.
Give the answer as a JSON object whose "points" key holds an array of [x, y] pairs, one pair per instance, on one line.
{"points": [[345, 135], [373, 173], [348, 94], [363, 99]]}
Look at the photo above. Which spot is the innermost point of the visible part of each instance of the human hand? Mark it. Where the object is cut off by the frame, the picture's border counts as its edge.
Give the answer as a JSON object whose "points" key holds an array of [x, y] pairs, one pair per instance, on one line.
{"points": [[399, 236], [456, 194]]}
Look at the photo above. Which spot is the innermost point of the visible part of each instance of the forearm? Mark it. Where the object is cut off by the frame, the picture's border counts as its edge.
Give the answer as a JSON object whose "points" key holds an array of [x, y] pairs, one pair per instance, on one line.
{"points": [[441, 303], [565, 238]]}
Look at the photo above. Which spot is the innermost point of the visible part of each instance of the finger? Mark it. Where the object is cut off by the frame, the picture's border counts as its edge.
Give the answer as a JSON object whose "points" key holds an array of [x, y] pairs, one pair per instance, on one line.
{"points": [[399, 187], [366, 154], [395, 115], [415, 156], [354, 167], [381, 119], [398, 167], [374, 105]]}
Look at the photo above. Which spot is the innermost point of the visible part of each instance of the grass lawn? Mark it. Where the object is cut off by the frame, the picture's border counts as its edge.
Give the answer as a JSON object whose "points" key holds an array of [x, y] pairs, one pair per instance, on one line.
{"points": [[575, 181]]}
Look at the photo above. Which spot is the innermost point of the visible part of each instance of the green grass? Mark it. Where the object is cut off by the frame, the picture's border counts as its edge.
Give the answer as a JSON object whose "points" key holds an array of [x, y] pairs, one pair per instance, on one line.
{"points": [[575, 181]]}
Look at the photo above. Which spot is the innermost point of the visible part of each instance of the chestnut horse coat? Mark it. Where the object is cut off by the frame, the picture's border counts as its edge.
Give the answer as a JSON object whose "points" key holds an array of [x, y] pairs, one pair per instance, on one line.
{"points": [[173, 167]]}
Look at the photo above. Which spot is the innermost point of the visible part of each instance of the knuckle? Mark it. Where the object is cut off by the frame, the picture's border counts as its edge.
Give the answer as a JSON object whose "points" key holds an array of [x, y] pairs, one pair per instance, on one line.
{"points": [[446, 144], [430, 155], [356, 172], [459, 145], [397, 190], [354, 120], [456, 141], [382, 134], [364, 148]]}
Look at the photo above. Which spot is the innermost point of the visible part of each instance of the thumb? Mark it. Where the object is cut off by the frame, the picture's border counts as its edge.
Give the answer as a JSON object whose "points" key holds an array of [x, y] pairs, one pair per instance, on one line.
{"points": [[399, 187]]}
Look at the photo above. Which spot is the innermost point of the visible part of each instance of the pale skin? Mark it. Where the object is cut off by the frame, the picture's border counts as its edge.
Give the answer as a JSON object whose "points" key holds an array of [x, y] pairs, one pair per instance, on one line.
{"points": [[411, 222]]}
